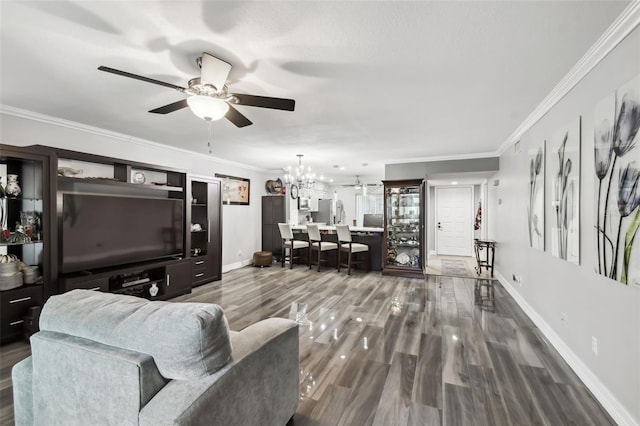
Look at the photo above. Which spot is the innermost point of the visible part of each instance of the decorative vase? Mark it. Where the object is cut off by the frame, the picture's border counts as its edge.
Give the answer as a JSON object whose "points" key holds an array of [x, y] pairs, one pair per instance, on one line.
{"points": [[12, 189], [153, 290]]}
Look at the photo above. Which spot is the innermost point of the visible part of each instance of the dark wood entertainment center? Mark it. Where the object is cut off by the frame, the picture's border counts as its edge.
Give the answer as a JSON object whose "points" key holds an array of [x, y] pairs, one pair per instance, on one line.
{"points": [[53, 177]]}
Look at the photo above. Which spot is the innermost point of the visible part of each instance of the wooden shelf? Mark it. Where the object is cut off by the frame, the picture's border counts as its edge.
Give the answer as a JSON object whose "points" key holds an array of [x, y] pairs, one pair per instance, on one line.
{"points": [[110, 182]]}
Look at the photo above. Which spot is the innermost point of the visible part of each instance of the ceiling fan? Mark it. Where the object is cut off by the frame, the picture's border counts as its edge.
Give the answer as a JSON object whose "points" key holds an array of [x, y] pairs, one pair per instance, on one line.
{"points": [[359, 185], [207, 95]]}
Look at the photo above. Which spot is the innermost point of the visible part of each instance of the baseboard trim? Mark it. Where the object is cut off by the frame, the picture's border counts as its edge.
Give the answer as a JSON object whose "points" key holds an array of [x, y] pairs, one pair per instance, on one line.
{"points": [[235, 265], [609, 402]]}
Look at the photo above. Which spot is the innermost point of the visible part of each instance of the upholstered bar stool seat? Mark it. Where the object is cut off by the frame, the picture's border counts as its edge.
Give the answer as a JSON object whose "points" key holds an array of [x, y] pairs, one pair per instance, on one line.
{"points": [[288, 242], [316, 244], [351, 249]]}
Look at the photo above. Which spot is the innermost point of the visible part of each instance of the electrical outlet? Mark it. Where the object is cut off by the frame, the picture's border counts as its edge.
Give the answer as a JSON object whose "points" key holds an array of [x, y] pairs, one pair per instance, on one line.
{"points": [[594, 345], [564, 319]]}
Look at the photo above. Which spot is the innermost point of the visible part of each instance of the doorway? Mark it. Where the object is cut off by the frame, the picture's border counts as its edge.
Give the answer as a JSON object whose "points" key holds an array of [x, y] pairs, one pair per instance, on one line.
{"points": [[454, 221]]}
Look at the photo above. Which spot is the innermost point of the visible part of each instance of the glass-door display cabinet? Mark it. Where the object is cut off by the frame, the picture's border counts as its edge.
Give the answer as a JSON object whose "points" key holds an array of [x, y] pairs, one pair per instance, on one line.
{"points": [[25, 231], [404, 228]]}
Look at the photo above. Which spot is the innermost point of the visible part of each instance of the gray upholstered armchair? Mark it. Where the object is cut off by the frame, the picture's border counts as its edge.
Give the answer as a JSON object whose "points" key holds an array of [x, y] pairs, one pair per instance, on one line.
{"points": [[105, 359]]}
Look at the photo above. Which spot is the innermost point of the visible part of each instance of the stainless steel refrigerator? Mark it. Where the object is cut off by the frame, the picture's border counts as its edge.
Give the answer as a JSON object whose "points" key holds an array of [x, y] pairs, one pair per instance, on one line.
{"points": [[324, 213]]}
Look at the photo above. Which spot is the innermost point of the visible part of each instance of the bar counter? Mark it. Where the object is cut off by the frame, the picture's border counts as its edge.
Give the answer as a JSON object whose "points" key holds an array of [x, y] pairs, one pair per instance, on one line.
{"points": [[360, 234]]}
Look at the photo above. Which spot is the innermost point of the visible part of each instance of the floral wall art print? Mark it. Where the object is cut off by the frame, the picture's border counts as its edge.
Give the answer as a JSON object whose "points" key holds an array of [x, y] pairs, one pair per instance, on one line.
{"points": [[617, 184], [535, 209], [563, 211]]}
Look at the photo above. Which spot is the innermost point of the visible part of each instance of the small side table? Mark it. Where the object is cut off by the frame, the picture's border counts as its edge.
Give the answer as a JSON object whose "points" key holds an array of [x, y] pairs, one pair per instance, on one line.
{"points": [[486, 247]]}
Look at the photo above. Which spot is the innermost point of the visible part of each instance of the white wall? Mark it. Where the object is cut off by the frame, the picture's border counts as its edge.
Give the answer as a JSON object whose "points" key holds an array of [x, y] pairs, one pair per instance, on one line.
{"points": [[241, 232], [594, 305], [346, 194]]}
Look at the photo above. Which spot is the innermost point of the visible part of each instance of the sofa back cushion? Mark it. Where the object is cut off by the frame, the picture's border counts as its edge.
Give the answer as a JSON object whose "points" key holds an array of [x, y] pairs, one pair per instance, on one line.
{"points": [[186, 340]]}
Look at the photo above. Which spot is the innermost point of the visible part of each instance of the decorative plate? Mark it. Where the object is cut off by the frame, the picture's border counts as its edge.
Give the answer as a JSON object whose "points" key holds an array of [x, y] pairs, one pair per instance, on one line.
{"points": [[274, 186]]}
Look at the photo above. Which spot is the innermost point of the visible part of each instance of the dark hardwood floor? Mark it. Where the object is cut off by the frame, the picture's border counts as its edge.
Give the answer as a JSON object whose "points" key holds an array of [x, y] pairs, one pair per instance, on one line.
{"points": [[380, 350]]}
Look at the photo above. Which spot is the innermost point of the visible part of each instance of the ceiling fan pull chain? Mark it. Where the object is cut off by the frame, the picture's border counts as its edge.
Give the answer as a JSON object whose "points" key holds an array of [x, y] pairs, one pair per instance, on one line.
{"points": [[210, 136]]}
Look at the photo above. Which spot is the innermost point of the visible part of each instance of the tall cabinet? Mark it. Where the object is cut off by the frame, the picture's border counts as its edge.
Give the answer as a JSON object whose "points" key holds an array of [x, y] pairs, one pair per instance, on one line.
{"points": [[273, 212], [205, 229], [404, 235], [26, 231]]}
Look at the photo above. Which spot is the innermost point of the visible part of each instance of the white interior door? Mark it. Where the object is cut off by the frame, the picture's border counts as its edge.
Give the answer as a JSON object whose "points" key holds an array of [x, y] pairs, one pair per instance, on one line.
{"points": [[454, 221]]}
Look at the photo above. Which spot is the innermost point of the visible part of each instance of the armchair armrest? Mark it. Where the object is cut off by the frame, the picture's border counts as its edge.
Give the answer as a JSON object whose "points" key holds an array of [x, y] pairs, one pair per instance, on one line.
{"points": [[22, 378], [259, 385]]}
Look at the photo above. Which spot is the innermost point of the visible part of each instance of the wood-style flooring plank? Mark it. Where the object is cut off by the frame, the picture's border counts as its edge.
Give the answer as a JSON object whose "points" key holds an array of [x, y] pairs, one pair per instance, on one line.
{"points": [[488, 405], [428, 381], [520, 402], [396, 395], [454, 369], [583, 406], [423, 415], [361, 405], [458, 406]]}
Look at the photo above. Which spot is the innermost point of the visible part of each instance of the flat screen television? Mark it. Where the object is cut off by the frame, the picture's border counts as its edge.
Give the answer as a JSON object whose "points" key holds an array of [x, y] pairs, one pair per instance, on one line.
{"points": [[100, 231], [373, 220]]}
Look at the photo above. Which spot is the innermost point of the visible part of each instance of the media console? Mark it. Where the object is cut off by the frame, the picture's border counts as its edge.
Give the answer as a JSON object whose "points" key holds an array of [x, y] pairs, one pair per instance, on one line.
{"points": [[171, 277], [105, 224]]}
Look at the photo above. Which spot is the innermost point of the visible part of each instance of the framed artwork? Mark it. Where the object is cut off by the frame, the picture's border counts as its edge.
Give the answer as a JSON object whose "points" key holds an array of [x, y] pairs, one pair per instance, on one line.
{"points": [[535, 209], [617, 184], [235, 190], [563, 205]]}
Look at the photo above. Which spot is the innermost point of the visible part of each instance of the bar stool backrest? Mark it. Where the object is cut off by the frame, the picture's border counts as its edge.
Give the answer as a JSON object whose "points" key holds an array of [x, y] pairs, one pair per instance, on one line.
{"points": [[344, 235], [314, 233], [285, 231]]}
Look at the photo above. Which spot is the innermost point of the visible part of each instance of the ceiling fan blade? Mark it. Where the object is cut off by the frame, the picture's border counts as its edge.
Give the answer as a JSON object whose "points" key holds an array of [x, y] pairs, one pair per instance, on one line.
{"points": [[171, 107], [214, 71], [234, 116], [265, 102], [139, 77]]}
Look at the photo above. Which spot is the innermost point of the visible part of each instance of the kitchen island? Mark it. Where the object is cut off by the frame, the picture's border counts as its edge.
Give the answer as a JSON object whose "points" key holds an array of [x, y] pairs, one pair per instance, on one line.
{"points": [[370, 236]]}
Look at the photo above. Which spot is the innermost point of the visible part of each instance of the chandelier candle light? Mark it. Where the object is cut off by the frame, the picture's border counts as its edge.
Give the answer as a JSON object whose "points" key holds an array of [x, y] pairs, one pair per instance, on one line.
{"points": [[300, 176]]}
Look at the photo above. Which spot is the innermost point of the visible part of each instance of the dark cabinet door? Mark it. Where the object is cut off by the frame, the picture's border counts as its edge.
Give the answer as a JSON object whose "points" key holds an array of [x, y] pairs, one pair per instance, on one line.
{"points": [[273, 212], [214, 245], [178, 279]]}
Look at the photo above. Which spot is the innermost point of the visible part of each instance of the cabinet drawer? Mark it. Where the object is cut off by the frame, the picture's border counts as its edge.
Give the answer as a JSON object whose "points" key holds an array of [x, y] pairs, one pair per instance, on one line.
{"points": [[203, 268], [13, 306]]}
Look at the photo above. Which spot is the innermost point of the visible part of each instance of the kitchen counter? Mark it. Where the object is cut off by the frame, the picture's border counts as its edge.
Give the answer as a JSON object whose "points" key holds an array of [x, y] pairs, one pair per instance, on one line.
{"points": [[360, 234], [332, 228]]}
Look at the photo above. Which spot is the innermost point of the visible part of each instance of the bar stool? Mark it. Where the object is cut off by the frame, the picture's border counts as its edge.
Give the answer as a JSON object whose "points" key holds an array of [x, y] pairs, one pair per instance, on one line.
{"points": [[288, 242], [316, 243], [351, 248]]}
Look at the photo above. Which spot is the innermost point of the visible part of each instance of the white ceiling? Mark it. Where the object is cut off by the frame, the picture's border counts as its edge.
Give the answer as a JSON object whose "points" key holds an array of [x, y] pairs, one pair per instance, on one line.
{"points": [[373, 81]]}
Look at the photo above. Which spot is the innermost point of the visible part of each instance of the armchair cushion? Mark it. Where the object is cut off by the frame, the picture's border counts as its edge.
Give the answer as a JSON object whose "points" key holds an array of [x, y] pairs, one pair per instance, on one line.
{"points": [[186, 340]]}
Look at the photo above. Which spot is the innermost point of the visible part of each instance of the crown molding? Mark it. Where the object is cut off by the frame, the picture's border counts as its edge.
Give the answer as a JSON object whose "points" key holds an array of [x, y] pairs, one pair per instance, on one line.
{"points": [[47, 119], [473, 156], [628, 20]]}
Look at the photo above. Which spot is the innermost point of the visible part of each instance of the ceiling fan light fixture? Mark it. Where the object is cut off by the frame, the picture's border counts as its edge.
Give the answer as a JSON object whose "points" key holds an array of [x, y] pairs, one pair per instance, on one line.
{"points": [[207, 108]]}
